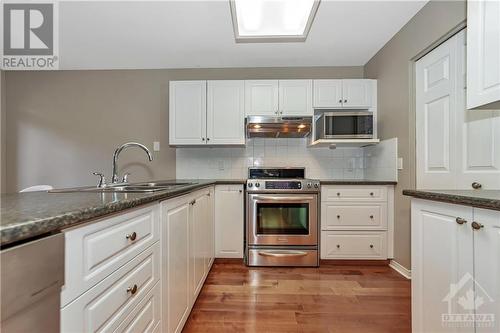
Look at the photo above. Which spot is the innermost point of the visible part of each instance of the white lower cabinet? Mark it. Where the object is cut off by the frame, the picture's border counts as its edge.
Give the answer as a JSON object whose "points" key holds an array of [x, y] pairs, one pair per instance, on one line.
{"points": [[229, 221], [357, 221], [455, 268], [187, 252]]}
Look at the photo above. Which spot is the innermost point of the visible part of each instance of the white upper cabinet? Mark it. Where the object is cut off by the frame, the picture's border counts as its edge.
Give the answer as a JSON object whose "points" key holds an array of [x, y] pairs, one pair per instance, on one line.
{"points": [[295, 98], [483, 54], [278, 98], [356, 93], [226, 112], [327, 93], [352, 93], [204, 112], [187, 112], [261, 97]]}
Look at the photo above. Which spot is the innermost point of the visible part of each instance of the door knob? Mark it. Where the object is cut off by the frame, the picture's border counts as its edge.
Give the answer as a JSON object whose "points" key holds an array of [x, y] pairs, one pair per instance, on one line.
{"points": [[476, 185]]}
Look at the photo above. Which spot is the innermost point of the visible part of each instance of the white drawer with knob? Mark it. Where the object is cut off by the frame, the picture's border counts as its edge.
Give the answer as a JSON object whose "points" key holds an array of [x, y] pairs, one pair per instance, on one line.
{"points": [[104, 307], [94, 251], [353, 193], [354, 245], [336, 216]]}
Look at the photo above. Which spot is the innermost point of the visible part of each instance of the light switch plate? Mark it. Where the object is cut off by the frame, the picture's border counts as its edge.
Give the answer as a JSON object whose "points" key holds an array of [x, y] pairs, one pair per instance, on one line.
{"points": [[400, 163], [156, 146]]}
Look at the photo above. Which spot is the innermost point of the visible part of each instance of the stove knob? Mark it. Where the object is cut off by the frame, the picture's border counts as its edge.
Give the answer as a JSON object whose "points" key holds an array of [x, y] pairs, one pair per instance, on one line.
{"points": [[316, 185], [309, 185], [250, 185], [257, 184]]}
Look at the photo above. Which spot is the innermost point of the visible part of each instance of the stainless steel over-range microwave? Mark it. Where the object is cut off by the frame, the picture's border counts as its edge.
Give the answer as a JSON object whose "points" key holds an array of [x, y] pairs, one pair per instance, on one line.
{"points": [[345, 125]]}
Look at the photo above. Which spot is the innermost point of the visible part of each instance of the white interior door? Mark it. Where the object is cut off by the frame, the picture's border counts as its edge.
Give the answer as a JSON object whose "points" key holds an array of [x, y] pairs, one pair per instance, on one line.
{"points": [[478, 132], [327, 93], [187, 112], [295, 97], [226, 112], [436, 91], [356, 93], [261, 97]]}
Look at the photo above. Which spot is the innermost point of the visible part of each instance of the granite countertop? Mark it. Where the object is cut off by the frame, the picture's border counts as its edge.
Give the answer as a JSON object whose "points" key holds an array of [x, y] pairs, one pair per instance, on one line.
{"points": [[27, 215], [489, 199], [357, 182]]}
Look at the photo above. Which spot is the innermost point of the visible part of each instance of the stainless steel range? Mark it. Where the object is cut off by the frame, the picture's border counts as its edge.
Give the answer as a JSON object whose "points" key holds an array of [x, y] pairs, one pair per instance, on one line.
{"points": [[282, 218]]}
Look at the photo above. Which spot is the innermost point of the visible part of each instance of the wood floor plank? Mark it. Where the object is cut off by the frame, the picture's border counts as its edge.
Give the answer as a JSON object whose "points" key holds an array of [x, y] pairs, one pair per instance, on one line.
{"points": [[333, 298]]}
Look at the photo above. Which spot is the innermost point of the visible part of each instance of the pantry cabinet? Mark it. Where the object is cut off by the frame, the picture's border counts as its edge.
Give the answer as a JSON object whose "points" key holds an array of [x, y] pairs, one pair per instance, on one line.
{"points": [[229, 221], [278, 98], [483, 54], [455, 260], [348, 93], [187, 252], [207, 113]]}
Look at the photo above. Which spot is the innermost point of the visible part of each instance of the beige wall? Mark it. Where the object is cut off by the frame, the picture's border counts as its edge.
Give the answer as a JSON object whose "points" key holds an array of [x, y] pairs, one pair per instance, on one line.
{"points": [[392, 66], [63, 125]]}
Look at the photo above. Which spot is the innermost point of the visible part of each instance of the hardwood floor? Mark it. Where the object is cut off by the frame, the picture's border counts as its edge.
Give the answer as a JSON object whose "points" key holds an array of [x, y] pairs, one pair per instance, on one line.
{"points": [[332, 298]]}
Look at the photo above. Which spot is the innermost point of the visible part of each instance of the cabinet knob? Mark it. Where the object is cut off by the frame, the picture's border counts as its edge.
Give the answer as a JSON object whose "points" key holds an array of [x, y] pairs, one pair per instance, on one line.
{"points": [[476, 185], [132, 290], [340, 101], [202, 139], [131, 236], [345, 100], [371, 246], [460, 220], [338, 246], [192, 202], [338, 216], [371, 193], [338, 194], [476, 226], [208, 139], [241, 191], [371, 216]]}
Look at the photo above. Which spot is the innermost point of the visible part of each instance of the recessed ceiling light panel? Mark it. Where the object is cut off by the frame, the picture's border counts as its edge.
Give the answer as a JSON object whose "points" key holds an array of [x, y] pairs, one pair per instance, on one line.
{"points": [[272, 20]]}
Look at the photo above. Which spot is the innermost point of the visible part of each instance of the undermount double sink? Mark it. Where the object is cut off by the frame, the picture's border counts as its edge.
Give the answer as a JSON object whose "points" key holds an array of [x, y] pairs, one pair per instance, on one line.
{"points": [[128, 188]]}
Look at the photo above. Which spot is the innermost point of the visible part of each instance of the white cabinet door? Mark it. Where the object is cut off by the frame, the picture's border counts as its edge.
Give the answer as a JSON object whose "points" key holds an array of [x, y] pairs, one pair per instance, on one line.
{"points": [[327, 93], [436, 109], [441, 257], [487, 269], [226, 112], [483, 54], [261, 97], [175, 261], [198, 241], [295, 97], [229, 219], [356, 93], [187, 112]]}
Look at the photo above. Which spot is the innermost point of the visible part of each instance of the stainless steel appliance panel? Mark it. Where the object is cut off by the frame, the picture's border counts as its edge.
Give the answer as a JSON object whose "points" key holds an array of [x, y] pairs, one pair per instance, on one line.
{"points": [[282, 257]]}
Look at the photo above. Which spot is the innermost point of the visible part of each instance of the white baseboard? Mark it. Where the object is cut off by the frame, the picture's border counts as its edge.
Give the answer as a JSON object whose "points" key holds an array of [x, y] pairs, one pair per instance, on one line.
{"points": [[400, 269]]}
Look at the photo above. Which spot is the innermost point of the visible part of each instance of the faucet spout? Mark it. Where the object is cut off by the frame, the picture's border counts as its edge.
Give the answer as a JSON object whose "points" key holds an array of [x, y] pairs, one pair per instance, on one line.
{"points": [[117, 154]]}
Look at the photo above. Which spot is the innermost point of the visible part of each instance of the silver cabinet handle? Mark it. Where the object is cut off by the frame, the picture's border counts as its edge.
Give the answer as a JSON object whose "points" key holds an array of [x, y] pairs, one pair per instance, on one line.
{"points": [[132, 236], [132, 290], [476, 185], [282, 253], [476, 226], [460, 220]]}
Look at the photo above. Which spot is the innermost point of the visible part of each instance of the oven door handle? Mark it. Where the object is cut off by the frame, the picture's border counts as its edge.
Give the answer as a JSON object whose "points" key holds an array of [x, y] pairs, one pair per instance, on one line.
{"points": [[276, 198], [288, 253]]}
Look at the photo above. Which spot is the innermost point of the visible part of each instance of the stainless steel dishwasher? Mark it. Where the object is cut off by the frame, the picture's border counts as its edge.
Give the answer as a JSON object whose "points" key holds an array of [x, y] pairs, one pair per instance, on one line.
{"points": [[31, 278]]}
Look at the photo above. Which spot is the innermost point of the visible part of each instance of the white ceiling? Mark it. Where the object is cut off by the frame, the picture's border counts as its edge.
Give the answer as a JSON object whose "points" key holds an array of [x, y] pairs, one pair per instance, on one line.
{"points": [[189, 34]]}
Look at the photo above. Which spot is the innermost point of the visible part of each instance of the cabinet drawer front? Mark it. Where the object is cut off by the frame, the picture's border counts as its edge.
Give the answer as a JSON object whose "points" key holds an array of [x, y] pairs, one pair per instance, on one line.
{"points": [[96, 250], [337, 217], [353, 245], [105, 306], [146, 316], [353, 193]]}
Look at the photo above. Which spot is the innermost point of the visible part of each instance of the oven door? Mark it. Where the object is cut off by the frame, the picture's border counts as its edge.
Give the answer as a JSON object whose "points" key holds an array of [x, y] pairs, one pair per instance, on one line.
{"points": [[282, 219], [348, 125]]}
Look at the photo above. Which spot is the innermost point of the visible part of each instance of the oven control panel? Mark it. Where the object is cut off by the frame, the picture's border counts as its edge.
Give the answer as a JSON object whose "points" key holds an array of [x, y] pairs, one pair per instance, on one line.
{"points": [[292, 185]]}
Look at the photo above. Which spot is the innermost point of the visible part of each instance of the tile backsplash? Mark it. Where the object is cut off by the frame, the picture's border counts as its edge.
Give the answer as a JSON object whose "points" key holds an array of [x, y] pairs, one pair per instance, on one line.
{"points": [[233, 163]]}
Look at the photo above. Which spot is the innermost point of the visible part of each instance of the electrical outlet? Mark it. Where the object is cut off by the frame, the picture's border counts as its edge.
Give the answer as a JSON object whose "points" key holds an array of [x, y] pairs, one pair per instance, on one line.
{"points": [[156, 146]]}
